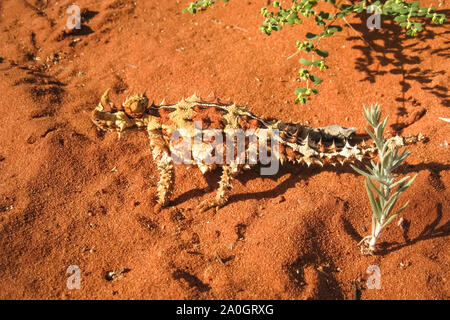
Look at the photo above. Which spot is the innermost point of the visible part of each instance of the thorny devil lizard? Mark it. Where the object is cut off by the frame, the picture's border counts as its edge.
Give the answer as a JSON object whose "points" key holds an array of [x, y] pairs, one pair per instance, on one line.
{"points": [[297, 143]]}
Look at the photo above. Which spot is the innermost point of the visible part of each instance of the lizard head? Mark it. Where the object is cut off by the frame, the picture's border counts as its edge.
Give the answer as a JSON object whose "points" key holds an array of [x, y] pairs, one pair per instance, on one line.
{"points": [[136, 105], [107, 117]]}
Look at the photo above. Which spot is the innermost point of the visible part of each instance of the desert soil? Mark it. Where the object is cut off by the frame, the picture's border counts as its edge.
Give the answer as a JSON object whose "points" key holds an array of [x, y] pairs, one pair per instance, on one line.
{"points": [[72, 196]]}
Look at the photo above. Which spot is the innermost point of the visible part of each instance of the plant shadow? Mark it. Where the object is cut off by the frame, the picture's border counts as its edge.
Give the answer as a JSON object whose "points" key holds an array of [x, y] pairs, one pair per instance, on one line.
{"points": [[387, 47], [430, 231]]}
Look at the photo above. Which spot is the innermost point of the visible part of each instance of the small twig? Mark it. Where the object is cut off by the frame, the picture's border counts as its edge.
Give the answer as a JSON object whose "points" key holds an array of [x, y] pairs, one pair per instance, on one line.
{"points": [[218, 258], [239, 28], [132, 66], [359, 35], [293, 55]]}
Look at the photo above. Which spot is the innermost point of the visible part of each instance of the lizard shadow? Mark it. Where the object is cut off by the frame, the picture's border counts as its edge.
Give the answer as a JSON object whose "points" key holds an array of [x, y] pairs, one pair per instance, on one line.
{"points": [[297, 174], [304, 173], [212, 179]]}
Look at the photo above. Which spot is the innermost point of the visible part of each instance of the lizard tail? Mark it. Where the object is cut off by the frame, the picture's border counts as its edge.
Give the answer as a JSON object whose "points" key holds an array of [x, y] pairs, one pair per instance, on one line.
{"points": [[325, 145]]}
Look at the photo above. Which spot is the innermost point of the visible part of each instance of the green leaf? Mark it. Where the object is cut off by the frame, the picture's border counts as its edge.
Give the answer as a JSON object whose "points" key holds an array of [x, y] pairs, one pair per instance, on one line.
{"points": [[395, 214], [325, 15], [386, 159], [367, 175], [301, 99], [389, 205], [306, 62], [312, 36], [418, 26], [321, 53], [399, 181], [422, 12], [369, 132], [409, 183], [401, 18], [404, 11], [334, 29], [318, 62], [379, 131], [372, 185], [373, 202], [343, 13], [292, 19], [303, 74], [315, 79], [299, 90]]}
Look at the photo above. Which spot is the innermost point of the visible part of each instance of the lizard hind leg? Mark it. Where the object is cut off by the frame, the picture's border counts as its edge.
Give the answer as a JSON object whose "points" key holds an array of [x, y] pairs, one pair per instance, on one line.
{"points": [[223, 193], [166, 179], [164, 163]]}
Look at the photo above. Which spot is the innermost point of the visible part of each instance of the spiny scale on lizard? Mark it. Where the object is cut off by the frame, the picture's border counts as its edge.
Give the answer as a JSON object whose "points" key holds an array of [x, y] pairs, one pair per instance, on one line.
{"points": [[297, 143]]}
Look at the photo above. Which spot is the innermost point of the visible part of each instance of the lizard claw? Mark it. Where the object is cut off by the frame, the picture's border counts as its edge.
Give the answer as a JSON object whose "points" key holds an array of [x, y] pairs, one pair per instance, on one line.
{"points": [[105, 99], [157, 208], [205, 205], [160, 206], [209, 204]]}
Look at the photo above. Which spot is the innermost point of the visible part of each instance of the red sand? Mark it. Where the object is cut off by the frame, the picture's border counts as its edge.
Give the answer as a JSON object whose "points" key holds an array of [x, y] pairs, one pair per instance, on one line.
{"points": [[291, 236]]}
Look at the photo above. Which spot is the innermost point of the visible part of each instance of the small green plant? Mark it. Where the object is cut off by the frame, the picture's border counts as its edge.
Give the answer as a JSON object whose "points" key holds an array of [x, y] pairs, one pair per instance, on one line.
{"points": [[409, 15], [380, 182], [195, 6]]}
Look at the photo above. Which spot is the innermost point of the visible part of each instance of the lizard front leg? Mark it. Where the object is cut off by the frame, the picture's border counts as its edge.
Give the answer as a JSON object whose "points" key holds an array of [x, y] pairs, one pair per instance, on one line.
{"points": [[223, 193], [161, 155]]}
